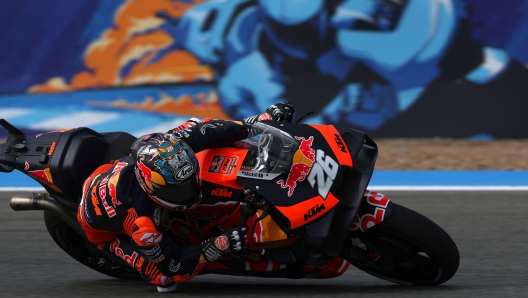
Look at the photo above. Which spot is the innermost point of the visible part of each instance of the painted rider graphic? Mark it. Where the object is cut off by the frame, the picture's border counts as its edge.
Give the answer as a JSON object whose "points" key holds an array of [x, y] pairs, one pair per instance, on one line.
{"points": [[365, 61]]}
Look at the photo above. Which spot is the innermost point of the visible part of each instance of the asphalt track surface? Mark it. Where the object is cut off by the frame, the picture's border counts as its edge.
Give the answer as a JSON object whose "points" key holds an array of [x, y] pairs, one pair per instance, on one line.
{"points": [[490, 229]]}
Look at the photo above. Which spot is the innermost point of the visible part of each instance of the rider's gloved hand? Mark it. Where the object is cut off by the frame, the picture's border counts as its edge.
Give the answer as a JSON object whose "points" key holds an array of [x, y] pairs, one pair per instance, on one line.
{"points": [[232, 241], [282, 111], [277, 112], [189, 123]]}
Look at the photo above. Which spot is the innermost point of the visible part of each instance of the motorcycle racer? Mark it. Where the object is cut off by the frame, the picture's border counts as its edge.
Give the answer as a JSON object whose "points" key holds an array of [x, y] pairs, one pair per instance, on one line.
{"points": [[124, 203]]}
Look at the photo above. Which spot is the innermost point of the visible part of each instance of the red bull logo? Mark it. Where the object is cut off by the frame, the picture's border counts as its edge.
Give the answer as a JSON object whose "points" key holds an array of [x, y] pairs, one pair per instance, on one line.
{"points": [[43, 176], [303, 161], [149, 176], [146, 173]]}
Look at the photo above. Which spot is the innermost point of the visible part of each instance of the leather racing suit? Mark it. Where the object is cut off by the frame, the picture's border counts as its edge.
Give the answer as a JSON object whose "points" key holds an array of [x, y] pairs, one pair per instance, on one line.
{"points": [[119, 217]]}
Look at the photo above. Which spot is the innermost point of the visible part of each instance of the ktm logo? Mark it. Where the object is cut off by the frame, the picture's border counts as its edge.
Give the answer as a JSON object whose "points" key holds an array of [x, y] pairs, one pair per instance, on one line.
{"points": [[314, 211], [340, 143], [220, 192]]}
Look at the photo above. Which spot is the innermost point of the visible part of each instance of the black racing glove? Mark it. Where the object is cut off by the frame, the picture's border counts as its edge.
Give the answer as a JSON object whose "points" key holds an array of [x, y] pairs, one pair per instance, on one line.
{"points": [[282, 111], [277, 112], [232, 241]]}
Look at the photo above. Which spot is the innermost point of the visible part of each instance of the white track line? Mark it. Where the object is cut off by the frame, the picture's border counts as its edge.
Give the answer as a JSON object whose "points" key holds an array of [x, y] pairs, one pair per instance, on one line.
{"points": [[85, 118], [21, 188]]}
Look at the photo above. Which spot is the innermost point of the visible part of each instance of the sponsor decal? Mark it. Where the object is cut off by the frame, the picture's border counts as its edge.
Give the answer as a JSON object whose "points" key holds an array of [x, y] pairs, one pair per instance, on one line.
{"points": [[222, 242], [250, 174], [60, 130], [206, 126], [323, 173], [225, 164], [216, 164], [185, 172], [357, 242], [52, 148], [44, 176], [302, 161], [112, 182], [147, 182], [157, 215], [172, 267], [26, 166], [221, 192], [313, 211], [114, 247], [377, 199], [102, 196], [265, 116], [374, 256], [139, 263], [153, 252], [159, 259], [95, 202], [257, 175], [151, 238], [222, 164], [87, 214], [109, 209], [320, 169], [340, 143], [366, 220]]}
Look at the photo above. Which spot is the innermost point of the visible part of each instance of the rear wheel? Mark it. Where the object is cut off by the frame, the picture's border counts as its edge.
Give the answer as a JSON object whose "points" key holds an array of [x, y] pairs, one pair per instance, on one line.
{"points": [[77, 247], [406, 248]]}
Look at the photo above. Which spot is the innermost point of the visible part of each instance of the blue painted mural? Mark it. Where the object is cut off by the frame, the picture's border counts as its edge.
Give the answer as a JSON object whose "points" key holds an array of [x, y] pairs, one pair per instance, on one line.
{"points": [[392, 68]]}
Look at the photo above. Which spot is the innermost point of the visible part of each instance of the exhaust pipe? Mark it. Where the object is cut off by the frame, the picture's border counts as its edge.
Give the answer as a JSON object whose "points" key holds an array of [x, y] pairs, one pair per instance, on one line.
{"points": [[44, 202]]}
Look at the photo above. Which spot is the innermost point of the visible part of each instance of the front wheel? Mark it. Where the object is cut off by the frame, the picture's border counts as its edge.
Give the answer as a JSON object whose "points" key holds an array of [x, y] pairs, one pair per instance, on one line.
{"points": [[406, 248]]}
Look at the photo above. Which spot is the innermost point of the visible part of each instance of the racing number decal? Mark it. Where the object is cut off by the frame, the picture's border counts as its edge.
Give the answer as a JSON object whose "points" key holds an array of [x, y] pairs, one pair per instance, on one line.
{"points": [[323, 173]]}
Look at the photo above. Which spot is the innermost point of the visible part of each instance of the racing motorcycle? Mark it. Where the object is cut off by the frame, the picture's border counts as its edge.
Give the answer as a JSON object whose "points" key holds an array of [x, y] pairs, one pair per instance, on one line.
{"points": [[301, 189]]}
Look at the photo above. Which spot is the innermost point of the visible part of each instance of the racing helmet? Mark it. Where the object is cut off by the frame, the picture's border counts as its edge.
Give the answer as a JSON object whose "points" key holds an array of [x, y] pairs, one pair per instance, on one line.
{"points": [[167, 170]]}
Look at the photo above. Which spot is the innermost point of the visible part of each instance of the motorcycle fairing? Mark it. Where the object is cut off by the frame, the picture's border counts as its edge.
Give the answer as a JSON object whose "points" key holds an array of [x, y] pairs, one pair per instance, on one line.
{"points": [[61, 160], [220, 166], [312, 158], [217, 201], [307, 211], [334, 139], [33, 157], [303, 143]]}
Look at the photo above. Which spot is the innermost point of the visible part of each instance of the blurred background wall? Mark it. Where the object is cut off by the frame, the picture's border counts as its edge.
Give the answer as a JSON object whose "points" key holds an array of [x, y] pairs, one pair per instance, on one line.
{"points": [[391, 68]]}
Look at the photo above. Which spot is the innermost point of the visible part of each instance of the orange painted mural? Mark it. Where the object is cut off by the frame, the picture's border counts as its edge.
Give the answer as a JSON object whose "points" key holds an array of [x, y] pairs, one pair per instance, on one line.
{"points": [[134, 41]]}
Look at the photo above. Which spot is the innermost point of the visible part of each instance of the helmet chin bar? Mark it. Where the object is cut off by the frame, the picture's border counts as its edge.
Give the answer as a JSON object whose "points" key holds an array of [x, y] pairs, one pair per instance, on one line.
{"points": [[167, 204], [194, 201]]}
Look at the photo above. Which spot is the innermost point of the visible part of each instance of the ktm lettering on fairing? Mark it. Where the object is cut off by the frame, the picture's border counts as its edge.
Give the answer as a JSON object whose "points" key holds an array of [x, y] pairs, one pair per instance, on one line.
{"points": [[221, 192], [340, 143], [313, 211]]}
